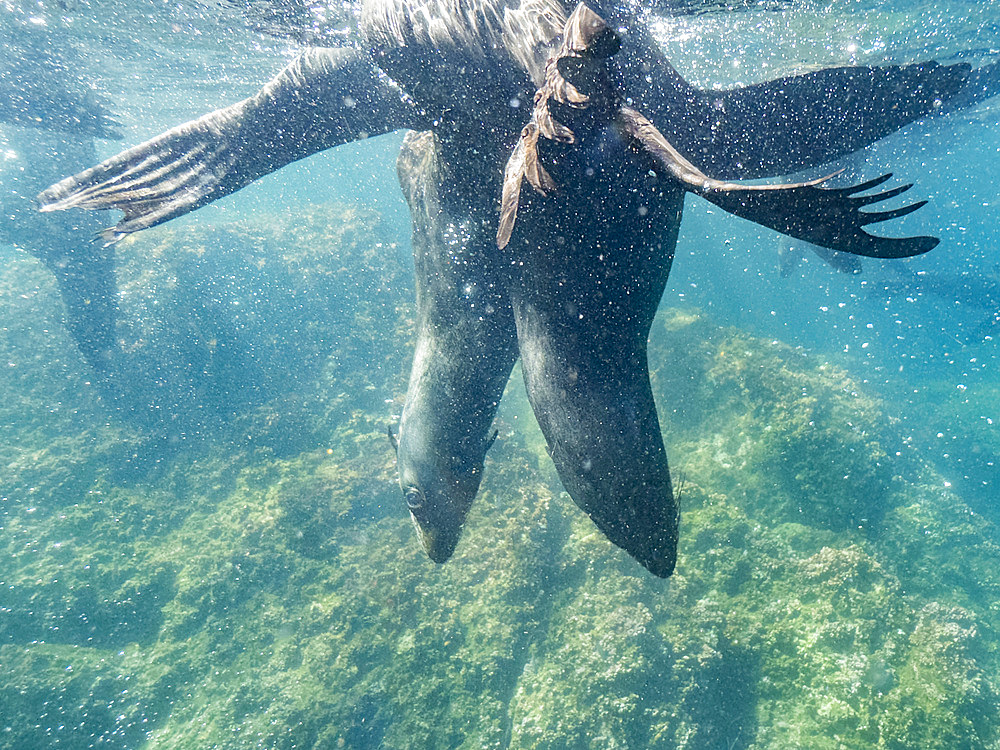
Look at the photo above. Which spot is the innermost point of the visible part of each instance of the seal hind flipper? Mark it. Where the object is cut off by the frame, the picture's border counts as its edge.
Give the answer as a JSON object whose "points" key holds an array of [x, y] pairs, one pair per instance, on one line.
{"points": [[982, 84], [807, 120], [828, 217], [824, 216], [325, 97]]}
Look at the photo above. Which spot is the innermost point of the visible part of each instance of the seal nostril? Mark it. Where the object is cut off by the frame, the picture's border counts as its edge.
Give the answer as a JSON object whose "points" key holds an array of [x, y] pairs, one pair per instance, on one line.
{"points": [[414, 498]]}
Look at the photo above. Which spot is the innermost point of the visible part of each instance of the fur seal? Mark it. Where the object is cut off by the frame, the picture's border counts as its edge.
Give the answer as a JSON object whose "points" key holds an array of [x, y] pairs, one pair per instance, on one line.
{"points": [[67, 245], [580, 318], [41, 89], [50, 118], [465, 349]]}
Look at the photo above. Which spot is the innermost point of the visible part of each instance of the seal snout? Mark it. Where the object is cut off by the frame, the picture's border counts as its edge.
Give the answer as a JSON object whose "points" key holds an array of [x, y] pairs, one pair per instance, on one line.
{"points": [[438, 525], [438, 499], [439, 544], [437, 528]]}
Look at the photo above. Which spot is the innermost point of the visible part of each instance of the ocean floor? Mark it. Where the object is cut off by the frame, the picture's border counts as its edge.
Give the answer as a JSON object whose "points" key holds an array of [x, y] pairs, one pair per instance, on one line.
{"points": [[213, 552]]}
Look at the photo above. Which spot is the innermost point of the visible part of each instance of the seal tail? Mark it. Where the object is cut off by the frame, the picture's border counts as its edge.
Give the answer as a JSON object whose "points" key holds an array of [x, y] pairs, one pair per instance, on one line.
{"points": [[322, 99]]}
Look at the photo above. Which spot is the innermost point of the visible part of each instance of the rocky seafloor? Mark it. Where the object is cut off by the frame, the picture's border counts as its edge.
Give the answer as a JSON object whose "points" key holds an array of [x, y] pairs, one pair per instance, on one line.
{"points": [[230, 564]]}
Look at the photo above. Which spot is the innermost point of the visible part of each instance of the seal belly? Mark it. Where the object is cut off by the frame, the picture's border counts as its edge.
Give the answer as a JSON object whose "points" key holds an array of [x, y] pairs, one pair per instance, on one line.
{"points": [[586, 269]]}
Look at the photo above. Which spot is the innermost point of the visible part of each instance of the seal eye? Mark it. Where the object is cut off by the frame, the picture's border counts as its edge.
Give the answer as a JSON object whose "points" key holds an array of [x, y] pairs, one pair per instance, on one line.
{"points": [[414, 498]]}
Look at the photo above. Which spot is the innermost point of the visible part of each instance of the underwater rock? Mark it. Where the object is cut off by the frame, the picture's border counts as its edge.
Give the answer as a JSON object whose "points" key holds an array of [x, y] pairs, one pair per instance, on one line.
{"points": [[265, 588], [50, 422], [754, 411], [229, 317], [945, 698]]}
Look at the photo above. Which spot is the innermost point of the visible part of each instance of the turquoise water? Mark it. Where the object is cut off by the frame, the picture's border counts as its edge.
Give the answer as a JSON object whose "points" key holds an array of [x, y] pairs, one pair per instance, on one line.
{"points": [[215, 554]]}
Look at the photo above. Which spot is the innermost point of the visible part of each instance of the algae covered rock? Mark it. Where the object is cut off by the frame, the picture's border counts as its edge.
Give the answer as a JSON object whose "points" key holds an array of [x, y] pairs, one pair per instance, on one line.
{"points": [[217, 319], [944, 698], [801, 435], [263, 588]]}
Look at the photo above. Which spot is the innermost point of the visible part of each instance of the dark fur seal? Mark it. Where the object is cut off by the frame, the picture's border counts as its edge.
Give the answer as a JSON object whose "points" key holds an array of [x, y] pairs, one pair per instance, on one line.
{"points": [[67, 245], [465, 349], [49, 117], [466, 70]]}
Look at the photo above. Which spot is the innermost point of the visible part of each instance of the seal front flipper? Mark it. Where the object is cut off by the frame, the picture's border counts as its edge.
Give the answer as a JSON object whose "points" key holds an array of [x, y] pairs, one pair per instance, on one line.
{"points": [[828, 217], [790, 124], [323, 98]]}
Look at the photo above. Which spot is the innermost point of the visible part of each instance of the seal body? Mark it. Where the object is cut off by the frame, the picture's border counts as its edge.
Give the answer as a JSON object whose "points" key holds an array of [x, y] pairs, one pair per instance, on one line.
{"points": [[585, 276], [574, 292], [456, 57]]}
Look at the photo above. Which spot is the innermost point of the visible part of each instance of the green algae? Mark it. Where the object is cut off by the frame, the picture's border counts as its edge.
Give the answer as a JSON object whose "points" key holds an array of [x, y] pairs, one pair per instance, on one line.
{"points": [[262, 587], [775, 410]]}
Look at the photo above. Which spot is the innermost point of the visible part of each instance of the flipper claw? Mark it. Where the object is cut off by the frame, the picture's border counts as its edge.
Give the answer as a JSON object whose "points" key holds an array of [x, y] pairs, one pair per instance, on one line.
{"points": [[862, 187], [828, 217], [895, 213], [867, 200]]}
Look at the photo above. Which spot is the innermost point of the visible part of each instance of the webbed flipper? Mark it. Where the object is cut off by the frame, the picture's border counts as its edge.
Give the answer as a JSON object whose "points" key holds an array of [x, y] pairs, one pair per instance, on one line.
{"points": [[828, 217], [982, 83], [807, 120], [323, 98], [792, 123]]}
